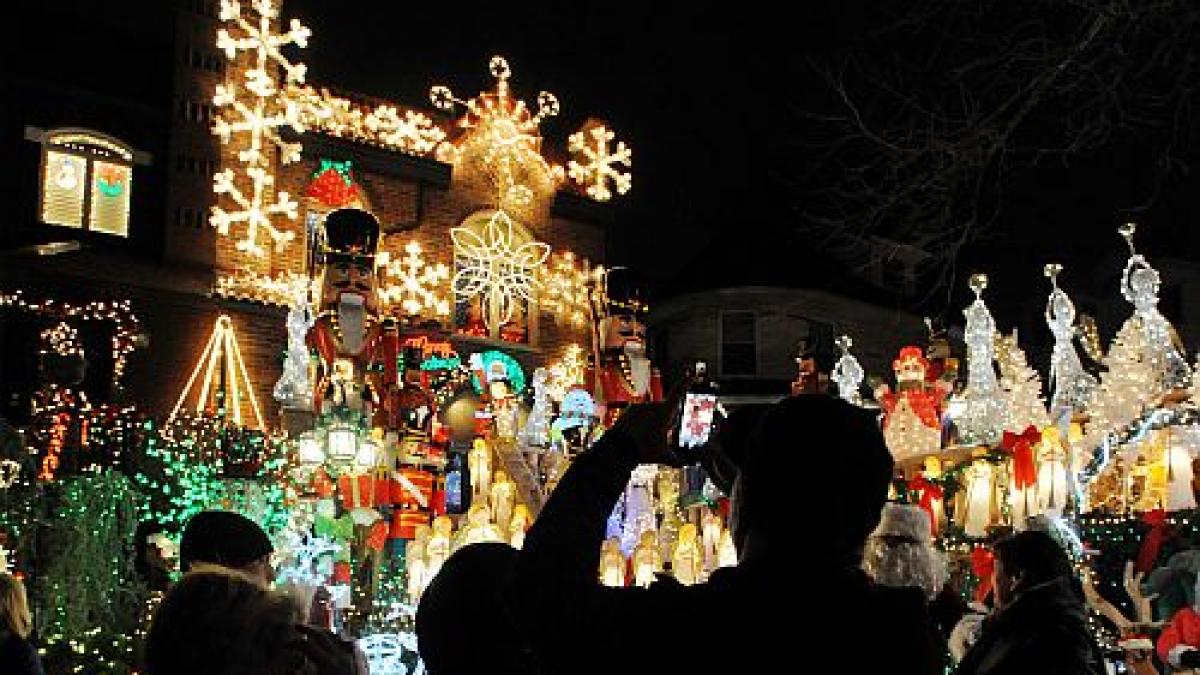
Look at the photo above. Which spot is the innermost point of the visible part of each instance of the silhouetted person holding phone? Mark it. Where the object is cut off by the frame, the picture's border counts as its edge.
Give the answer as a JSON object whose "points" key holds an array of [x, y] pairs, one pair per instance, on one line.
{"points": [[809, 476]]}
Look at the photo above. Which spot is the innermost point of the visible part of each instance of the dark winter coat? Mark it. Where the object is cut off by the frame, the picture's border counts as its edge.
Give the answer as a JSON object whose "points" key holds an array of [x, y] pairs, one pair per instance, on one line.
{"points": [[1043, 632], [18, 656], [799, 609]]}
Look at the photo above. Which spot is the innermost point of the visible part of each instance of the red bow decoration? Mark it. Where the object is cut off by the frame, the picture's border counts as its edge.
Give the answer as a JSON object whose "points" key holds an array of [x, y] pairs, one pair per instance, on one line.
{"points": [[1153, 541], [983, 563], [1021, 447], [929, 492]]}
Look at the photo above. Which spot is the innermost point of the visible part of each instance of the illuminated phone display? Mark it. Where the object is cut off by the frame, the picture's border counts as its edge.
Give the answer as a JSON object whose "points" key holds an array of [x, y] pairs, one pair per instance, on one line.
{"points": [[696, 422]]}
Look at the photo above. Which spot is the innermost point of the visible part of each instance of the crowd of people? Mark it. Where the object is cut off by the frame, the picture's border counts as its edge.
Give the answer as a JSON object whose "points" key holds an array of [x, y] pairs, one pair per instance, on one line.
{"points": [[801, 594]]}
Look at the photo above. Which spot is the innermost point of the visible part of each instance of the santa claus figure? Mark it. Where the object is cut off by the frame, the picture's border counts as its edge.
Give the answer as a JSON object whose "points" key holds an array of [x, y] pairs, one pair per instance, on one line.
{"points": [[912, 421], [348, 335], [624, 374]]}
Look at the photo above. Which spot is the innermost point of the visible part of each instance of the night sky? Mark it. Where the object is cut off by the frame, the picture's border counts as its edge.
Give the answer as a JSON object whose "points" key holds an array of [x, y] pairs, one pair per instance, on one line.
{"points": [[717, 105], [704, 98]]}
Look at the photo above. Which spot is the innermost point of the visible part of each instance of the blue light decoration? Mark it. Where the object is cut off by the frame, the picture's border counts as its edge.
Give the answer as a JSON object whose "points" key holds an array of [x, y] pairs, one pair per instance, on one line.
{"points": [[577, 407], [483, 363]]}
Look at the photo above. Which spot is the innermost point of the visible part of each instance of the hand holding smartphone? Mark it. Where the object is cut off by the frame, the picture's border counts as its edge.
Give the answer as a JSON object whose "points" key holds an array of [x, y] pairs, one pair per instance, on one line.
{"points": [[698, 416]]}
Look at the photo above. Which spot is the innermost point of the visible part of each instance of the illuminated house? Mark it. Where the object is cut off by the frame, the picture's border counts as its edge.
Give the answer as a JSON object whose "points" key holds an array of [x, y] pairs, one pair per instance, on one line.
{"points": [[195, 187]]}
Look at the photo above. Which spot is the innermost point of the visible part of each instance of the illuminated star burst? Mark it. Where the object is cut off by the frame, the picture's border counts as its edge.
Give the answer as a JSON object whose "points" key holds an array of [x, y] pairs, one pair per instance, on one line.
{"points": [[599, 162], [418, 287], [492, 267], [253, 112], [503, 132]]}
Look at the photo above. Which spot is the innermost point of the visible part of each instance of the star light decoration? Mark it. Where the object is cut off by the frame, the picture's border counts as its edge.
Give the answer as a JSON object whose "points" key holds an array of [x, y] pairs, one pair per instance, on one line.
{"points": [[493, 267], [253, 112], [564, 285], [385, 126], [599, 162], [418, 284], [504, 134]]}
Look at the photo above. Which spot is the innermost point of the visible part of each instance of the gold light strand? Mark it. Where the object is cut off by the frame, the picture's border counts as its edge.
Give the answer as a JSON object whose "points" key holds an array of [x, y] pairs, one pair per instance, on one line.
{"points": [[221, 353], [385, 126], [127, 326]]}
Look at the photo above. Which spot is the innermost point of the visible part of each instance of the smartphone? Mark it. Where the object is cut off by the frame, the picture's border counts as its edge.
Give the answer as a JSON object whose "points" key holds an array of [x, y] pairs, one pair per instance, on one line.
{"points": [[699, 413]]}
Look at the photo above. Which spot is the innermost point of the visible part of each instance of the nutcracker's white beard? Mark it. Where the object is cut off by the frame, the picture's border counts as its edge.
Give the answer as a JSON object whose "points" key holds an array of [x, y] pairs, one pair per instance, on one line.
{"points": [[639, 367], [351, 321]]}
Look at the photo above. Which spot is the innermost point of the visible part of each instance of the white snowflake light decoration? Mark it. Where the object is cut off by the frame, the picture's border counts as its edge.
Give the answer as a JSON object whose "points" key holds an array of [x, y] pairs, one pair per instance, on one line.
{"points": [[563, 288], [418, 287], [253, 112], [599, 162], [504, 134], [493, 267], [5, 562]]}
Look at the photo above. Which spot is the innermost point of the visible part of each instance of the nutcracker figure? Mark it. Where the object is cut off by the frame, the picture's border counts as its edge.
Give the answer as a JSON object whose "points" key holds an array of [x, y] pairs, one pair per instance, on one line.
{"points": [[356, 348], [623, 374]]}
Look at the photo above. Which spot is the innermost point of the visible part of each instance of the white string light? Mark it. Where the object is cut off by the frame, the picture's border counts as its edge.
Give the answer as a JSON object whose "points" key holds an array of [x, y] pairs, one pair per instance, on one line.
{"points": [[254, 112]]}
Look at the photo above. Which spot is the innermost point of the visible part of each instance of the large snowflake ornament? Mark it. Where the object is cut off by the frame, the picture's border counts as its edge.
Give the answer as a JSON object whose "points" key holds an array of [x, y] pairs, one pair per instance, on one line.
{"points": [[564, 287], [418, 285], [504, 134], [252, 113], [495, 267], [599, 162]]}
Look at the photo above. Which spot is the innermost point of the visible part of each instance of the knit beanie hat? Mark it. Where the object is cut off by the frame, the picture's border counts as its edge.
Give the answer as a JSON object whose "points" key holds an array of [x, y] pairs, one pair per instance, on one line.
{"points": [[222, 538]]}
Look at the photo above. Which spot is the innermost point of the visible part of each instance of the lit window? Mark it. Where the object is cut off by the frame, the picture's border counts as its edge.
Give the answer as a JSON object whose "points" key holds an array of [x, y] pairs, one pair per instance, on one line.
{"points": [[86, 180]]}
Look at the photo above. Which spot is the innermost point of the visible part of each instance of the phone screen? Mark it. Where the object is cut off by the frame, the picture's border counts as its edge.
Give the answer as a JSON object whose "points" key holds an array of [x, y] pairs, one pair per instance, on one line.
{"points": [[696, 422]]}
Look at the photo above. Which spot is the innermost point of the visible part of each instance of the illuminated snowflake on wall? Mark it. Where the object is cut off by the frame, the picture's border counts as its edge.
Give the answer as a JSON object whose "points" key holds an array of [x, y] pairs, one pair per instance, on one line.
{"points": [[493, 266], [599, 162], [503, 133], [564, 287], [251, 114], [418, 286]]}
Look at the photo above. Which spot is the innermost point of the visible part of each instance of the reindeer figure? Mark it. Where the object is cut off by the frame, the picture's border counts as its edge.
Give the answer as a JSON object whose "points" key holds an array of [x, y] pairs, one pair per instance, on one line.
{"points": [[1138, 648]]}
